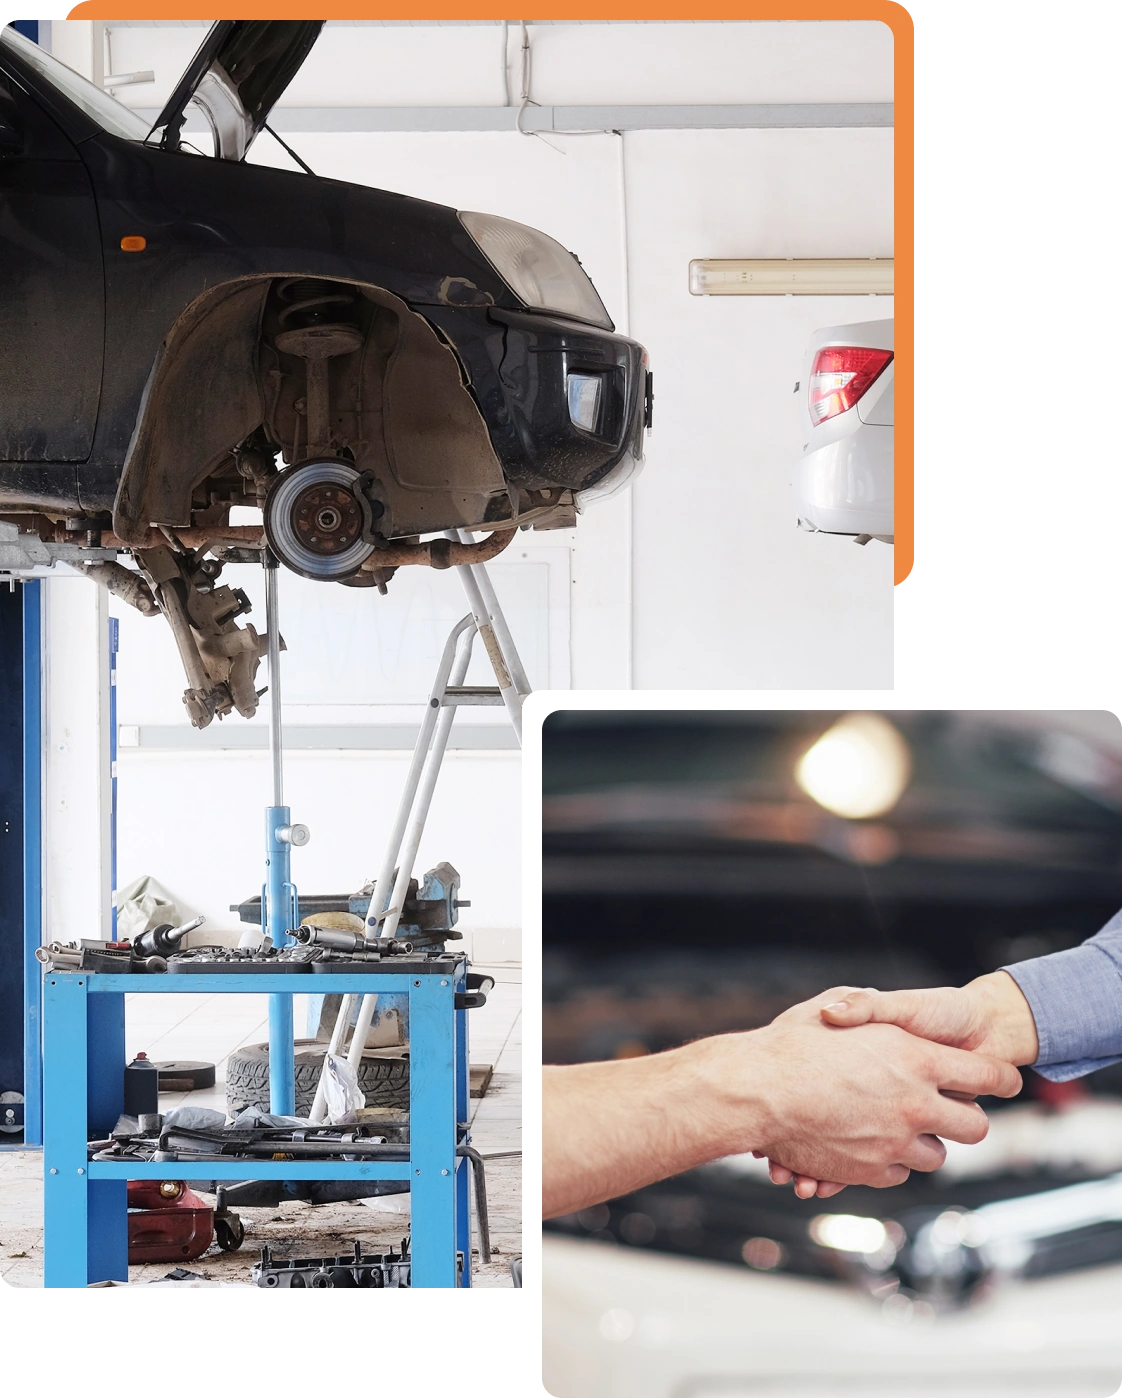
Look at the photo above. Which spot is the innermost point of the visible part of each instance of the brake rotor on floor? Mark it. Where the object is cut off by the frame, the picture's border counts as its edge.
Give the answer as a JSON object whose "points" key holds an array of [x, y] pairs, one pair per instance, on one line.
{"points": [[184, 1075], [313, 520]]}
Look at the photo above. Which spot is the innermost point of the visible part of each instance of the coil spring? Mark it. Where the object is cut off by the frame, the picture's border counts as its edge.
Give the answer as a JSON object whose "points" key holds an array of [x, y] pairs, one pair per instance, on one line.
{"points": [[309, 301]]}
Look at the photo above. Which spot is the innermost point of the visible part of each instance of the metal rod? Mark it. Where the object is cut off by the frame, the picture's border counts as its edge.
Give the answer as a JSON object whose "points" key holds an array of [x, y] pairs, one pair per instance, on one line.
{"points": [[462, 637], [380, 898], [481, 1212], [484, 614], [273, 653], [425, 789], [318, 1113], [498, 618], [278, 895], [358, 1038], [384, 894]]}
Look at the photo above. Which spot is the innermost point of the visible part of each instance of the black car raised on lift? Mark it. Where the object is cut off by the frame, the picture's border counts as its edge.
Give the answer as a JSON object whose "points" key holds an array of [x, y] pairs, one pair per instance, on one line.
{"points": [[171, 324]]}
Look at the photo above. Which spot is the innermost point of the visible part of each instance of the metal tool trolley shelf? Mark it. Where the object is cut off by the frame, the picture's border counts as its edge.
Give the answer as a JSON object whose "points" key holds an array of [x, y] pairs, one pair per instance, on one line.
{"points": [[85, 1238]]}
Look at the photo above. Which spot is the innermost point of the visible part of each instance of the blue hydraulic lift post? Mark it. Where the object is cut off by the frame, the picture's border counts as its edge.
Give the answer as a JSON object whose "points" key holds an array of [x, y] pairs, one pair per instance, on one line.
{"points": [[32, 861], [278, 897]]}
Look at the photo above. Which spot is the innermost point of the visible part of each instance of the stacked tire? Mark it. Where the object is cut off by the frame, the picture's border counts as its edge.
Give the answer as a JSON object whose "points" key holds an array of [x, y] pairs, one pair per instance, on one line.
{"points": [[384, 1079]]}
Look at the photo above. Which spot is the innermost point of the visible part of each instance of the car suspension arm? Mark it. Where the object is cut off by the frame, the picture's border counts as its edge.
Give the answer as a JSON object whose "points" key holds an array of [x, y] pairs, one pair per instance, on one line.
{"points": [[439, 553]]}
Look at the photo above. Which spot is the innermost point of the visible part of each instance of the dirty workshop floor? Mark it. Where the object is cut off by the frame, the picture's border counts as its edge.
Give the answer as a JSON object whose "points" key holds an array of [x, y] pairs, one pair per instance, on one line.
{"points": [[210, 1027]]}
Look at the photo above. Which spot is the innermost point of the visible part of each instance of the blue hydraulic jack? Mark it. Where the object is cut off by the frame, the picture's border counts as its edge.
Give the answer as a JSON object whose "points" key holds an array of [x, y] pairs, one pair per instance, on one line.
{"points": [[280, 907]]}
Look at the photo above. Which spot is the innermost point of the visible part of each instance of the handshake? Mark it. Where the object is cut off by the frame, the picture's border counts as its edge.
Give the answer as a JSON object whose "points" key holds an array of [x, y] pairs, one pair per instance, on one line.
{"points": [[852, 1087], [898, 1070]]}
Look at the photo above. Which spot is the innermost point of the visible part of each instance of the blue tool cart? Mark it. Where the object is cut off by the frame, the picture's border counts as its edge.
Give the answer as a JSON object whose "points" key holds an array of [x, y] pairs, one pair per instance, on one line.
{"points": [[83, 1092]]}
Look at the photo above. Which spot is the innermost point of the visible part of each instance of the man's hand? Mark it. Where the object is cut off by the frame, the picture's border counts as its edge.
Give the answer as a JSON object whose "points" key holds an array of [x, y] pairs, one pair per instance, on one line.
{"points": [[861, 1105], [915, 1092], [990, 1015]]}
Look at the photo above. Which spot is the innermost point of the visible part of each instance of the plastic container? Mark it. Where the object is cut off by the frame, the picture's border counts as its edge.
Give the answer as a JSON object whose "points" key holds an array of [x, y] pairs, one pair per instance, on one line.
{"points": [[142, 1086]]}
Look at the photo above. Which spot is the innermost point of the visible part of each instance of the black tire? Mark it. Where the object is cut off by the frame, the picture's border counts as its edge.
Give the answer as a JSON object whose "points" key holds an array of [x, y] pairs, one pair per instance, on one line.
{"points": [[384, 1081]]}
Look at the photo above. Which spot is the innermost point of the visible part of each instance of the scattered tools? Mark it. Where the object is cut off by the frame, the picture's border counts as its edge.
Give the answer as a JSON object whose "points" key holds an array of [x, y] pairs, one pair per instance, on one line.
{"points": [[341, 940], [116, 958], [172, 1143], [265, 960], [164, 940], [145, 954], [154, 1140], [316, 948]]}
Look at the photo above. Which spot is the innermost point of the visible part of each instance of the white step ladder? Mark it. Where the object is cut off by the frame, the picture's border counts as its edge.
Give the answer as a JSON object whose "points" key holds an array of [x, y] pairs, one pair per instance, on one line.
{"points": [[485, 620]]}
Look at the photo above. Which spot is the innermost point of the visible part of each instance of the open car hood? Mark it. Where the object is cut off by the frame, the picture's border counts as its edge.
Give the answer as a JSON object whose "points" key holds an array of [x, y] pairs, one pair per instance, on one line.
{"points": [[239, 72]]}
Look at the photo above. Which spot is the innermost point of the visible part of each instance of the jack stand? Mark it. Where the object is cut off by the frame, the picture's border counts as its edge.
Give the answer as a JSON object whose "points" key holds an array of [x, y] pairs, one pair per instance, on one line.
{"points": [[279, 904], [448, 693]]}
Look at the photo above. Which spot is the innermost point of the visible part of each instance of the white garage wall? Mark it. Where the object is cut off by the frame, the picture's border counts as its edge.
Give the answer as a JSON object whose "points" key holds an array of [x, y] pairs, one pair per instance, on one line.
{"points": [[727, 592], [192, 815], [197, 824]]}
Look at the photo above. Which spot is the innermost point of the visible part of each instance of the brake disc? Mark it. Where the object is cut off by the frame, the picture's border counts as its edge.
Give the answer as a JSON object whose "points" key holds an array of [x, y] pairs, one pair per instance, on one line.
{"points": [[314, 521]]}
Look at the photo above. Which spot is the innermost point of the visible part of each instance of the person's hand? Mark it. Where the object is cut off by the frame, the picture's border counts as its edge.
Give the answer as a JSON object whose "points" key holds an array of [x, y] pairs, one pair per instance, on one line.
{"points": [[863, 1105], [990, 1015]]}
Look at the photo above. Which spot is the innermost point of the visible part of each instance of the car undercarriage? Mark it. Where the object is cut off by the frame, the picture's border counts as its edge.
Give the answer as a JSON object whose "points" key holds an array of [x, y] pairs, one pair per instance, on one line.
{"points": [[331, 408]]}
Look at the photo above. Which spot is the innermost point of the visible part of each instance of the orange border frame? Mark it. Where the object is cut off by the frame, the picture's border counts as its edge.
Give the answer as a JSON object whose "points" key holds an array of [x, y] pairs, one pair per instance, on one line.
{"points": [[884, 11]]}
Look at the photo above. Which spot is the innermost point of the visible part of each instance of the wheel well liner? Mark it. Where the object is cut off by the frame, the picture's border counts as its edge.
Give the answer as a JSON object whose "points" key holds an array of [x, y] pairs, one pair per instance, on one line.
{"points": [[206, 394]]}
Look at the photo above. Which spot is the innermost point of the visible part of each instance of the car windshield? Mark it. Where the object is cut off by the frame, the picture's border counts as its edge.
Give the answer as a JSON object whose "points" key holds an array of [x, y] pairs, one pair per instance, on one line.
{"points": [[105, 110]]}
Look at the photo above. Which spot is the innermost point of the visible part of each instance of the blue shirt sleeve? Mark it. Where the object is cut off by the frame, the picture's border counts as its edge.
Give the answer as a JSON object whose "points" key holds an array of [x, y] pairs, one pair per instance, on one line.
{"points": [[1076, 1000]]}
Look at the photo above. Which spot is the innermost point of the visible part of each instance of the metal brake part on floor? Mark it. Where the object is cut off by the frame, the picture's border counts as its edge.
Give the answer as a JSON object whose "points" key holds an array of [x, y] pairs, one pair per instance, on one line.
{"points": [[379, 1270], [185, 1075]]}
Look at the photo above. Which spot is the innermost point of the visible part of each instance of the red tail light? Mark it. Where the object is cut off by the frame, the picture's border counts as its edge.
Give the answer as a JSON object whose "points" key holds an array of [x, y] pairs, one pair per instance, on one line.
{"points": [[841, 376]]}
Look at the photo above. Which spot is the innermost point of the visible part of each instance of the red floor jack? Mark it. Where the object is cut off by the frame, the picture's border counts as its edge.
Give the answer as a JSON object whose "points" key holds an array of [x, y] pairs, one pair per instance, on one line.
{"points": [[168, 1222]]}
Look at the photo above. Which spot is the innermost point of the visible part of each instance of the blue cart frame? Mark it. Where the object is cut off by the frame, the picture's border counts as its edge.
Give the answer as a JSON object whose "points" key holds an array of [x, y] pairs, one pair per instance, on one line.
{"points": [[85, 1228]]}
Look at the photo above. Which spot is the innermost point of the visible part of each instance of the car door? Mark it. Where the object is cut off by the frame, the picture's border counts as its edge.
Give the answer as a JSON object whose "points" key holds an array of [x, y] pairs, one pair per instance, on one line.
{"points": [[52, 297]]}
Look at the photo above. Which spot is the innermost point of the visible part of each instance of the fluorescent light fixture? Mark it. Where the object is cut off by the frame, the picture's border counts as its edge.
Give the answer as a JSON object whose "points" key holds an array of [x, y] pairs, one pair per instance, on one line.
{"points": [[858, 768], [792, 276]]}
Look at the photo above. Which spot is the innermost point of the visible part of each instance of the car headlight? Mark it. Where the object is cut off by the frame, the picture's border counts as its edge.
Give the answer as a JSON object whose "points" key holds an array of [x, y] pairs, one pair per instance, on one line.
{"points": [[537, 268]]}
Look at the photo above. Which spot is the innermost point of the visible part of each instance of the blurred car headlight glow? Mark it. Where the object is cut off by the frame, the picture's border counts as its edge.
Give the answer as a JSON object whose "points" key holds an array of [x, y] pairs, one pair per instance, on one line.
{"points": [[537, 268], [858, 768], [849, 1233]]}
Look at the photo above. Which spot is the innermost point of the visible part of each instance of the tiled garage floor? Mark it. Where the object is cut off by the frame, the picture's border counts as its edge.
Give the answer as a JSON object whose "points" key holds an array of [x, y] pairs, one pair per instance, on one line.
{"points": [[211, 1027]]}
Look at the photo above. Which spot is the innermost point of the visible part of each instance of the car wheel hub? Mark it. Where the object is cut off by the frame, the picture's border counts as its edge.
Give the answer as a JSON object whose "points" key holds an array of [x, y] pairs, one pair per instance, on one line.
{"points": [[313, 520]]}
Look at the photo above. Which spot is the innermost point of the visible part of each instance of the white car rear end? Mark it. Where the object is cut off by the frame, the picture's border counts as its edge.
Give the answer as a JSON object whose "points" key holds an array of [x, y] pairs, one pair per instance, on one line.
{"points": [[844, 482]]}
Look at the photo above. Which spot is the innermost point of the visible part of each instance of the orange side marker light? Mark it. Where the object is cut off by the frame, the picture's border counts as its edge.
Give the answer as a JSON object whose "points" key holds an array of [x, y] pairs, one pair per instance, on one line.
{"points": [[134, 243]]}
